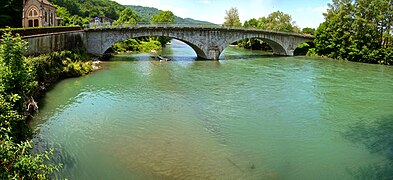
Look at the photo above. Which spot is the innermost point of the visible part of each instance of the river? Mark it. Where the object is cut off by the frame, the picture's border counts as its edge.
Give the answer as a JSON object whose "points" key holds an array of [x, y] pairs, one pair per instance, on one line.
{"points": [[246, 116]]}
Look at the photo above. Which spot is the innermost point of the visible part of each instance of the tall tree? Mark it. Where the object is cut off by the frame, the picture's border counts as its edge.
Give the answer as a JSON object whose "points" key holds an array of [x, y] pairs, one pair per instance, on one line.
{"points": [[232, 18], [308, 30], [11, 13], [278, 21], [357, 30], [252, 23], [337, 29], [163, 17], [127, 16]]}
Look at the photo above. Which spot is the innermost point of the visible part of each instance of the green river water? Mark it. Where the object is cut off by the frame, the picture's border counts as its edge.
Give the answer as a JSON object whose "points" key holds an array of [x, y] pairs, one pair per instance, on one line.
{"points": [[247, 116]]}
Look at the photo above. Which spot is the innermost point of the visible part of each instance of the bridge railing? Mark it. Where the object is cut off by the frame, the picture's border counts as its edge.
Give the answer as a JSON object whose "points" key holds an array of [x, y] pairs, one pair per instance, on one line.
{"points": [[147, 24], [186, 25]]}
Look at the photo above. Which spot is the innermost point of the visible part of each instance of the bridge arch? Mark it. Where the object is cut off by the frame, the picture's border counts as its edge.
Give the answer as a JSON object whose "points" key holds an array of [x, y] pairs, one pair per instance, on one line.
{"points": [[277, 48], [208, 43], [118, 36]]}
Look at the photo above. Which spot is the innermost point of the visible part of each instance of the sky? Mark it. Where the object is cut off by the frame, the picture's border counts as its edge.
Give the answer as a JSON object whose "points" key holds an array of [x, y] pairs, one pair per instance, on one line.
{"points": [[306, 13]]}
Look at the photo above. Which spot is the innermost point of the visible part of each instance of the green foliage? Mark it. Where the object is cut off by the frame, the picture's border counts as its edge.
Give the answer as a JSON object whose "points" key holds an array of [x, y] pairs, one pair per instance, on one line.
{"points": [[17, 77], [357, 31], [147, 46], [91, 8], [13, 70], [232, 18], [312, 52], [303, 49], [138, 45], [252, 23], [57, 65], [276, 21], [254, 44], [143, 44], [308, 30], [66, 19], [163, 17], [147, 12], [17, 161], [127, 16], [10, 13]]}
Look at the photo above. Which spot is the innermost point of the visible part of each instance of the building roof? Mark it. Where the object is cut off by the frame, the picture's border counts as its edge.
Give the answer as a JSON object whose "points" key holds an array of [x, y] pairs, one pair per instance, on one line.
{"points": [[47, 2]]}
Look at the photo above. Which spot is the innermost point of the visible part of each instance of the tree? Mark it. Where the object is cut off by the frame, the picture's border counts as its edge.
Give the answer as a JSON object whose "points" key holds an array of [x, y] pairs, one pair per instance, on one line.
{"points": [[357, 30], [232, 18], [63, 14], [11, 13], [252, 23], [13, 69], [127, 16], [163, 17], [308, 30], [278, 21]]}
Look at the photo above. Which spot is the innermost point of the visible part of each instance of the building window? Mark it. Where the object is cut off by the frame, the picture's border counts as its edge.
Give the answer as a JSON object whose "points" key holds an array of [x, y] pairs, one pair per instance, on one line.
{"points": [[36, 23], [33, 13], [30, 23], [51, 18], [46, 17]]}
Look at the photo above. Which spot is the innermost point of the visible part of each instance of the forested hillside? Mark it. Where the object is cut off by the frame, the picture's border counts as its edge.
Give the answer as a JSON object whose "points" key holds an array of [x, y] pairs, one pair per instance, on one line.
{"points": [[146, 12], [91, 8], [78, 12]]}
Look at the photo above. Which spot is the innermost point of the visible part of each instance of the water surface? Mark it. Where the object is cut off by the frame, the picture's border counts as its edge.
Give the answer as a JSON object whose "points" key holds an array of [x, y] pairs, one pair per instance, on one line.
{"points": [[247, 116]]}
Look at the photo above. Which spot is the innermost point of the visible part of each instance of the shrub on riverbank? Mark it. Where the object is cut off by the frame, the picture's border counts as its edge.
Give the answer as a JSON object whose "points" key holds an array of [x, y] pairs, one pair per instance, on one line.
{"points": [[137, 45], [20, 79]]}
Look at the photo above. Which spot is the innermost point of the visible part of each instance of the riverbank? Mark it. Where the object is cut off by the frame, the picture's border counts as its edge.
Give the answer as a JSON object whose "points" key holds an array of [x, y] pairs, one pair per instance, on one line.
{"points": [[21, 80], [48, 69]]}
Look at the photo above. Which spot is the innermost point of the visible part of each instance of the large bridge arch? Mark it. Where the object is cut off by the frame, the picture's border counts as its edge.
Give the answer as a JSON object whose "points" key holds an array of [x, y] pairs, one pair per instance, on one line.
{"points": [[197, 50], [98, 46], [281, 43]]}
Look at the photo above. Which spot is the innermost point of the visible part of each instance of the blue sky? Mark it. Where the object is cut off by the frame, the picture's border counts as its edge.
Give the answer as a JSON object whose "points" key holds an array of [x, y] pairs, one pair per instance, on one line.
{"points": [[306, 13]]}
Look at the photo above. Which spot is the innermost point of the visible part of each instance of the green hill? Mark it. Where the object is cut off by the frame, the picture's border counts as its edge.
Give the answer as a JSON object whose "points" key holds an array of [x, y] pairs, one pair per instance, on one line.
{"points": [[146, 12], [79, 11]]}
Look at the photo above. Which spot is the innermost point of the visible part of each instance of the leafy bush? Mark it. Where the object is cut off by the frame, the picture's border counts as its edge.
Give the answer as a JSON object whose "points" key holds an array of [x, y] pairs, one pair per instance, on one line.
{"points": [[16, 159], [139, 44], [19, 77]]}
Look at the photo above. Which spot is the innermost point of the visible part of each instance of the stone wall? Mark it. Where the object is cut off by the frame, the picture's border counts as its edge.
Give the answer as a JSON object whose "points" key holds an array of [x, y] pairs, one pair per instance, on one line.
{"points": [[46, 43]]}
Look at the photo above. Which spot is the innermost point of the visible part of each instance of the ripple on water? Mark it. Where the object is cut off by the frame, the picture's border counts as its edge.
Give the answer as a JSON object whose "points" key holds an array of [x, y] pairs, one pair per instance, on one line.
{"points": [[258, 118]]}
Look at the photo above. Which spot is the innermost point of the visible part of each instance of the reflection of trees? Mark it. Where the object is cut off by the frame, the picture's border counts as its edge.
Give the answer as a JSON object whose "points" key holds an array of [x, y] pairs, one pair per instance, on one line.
{"points": [[378, 138]]}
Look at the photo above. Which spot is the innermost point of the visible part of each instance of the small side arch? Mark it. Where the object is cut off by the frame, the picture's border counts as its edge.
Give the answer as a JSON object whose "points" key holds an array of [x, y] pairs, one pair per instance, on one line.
{"points": [[301, 50], [277, 48]]}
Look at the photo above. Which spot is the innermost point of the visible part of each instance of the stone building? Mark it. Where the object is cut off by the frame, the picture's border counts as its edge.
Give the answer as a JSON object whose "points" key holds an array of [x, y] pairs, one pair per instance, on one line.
{"points": [[38, 13]]}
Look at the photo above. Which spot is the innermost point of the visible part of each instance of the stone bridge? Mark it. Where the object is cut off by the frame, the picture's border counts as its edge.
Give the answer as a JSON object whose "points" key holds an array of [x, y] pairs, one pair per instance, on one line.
{"points": [[207, 42]]}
